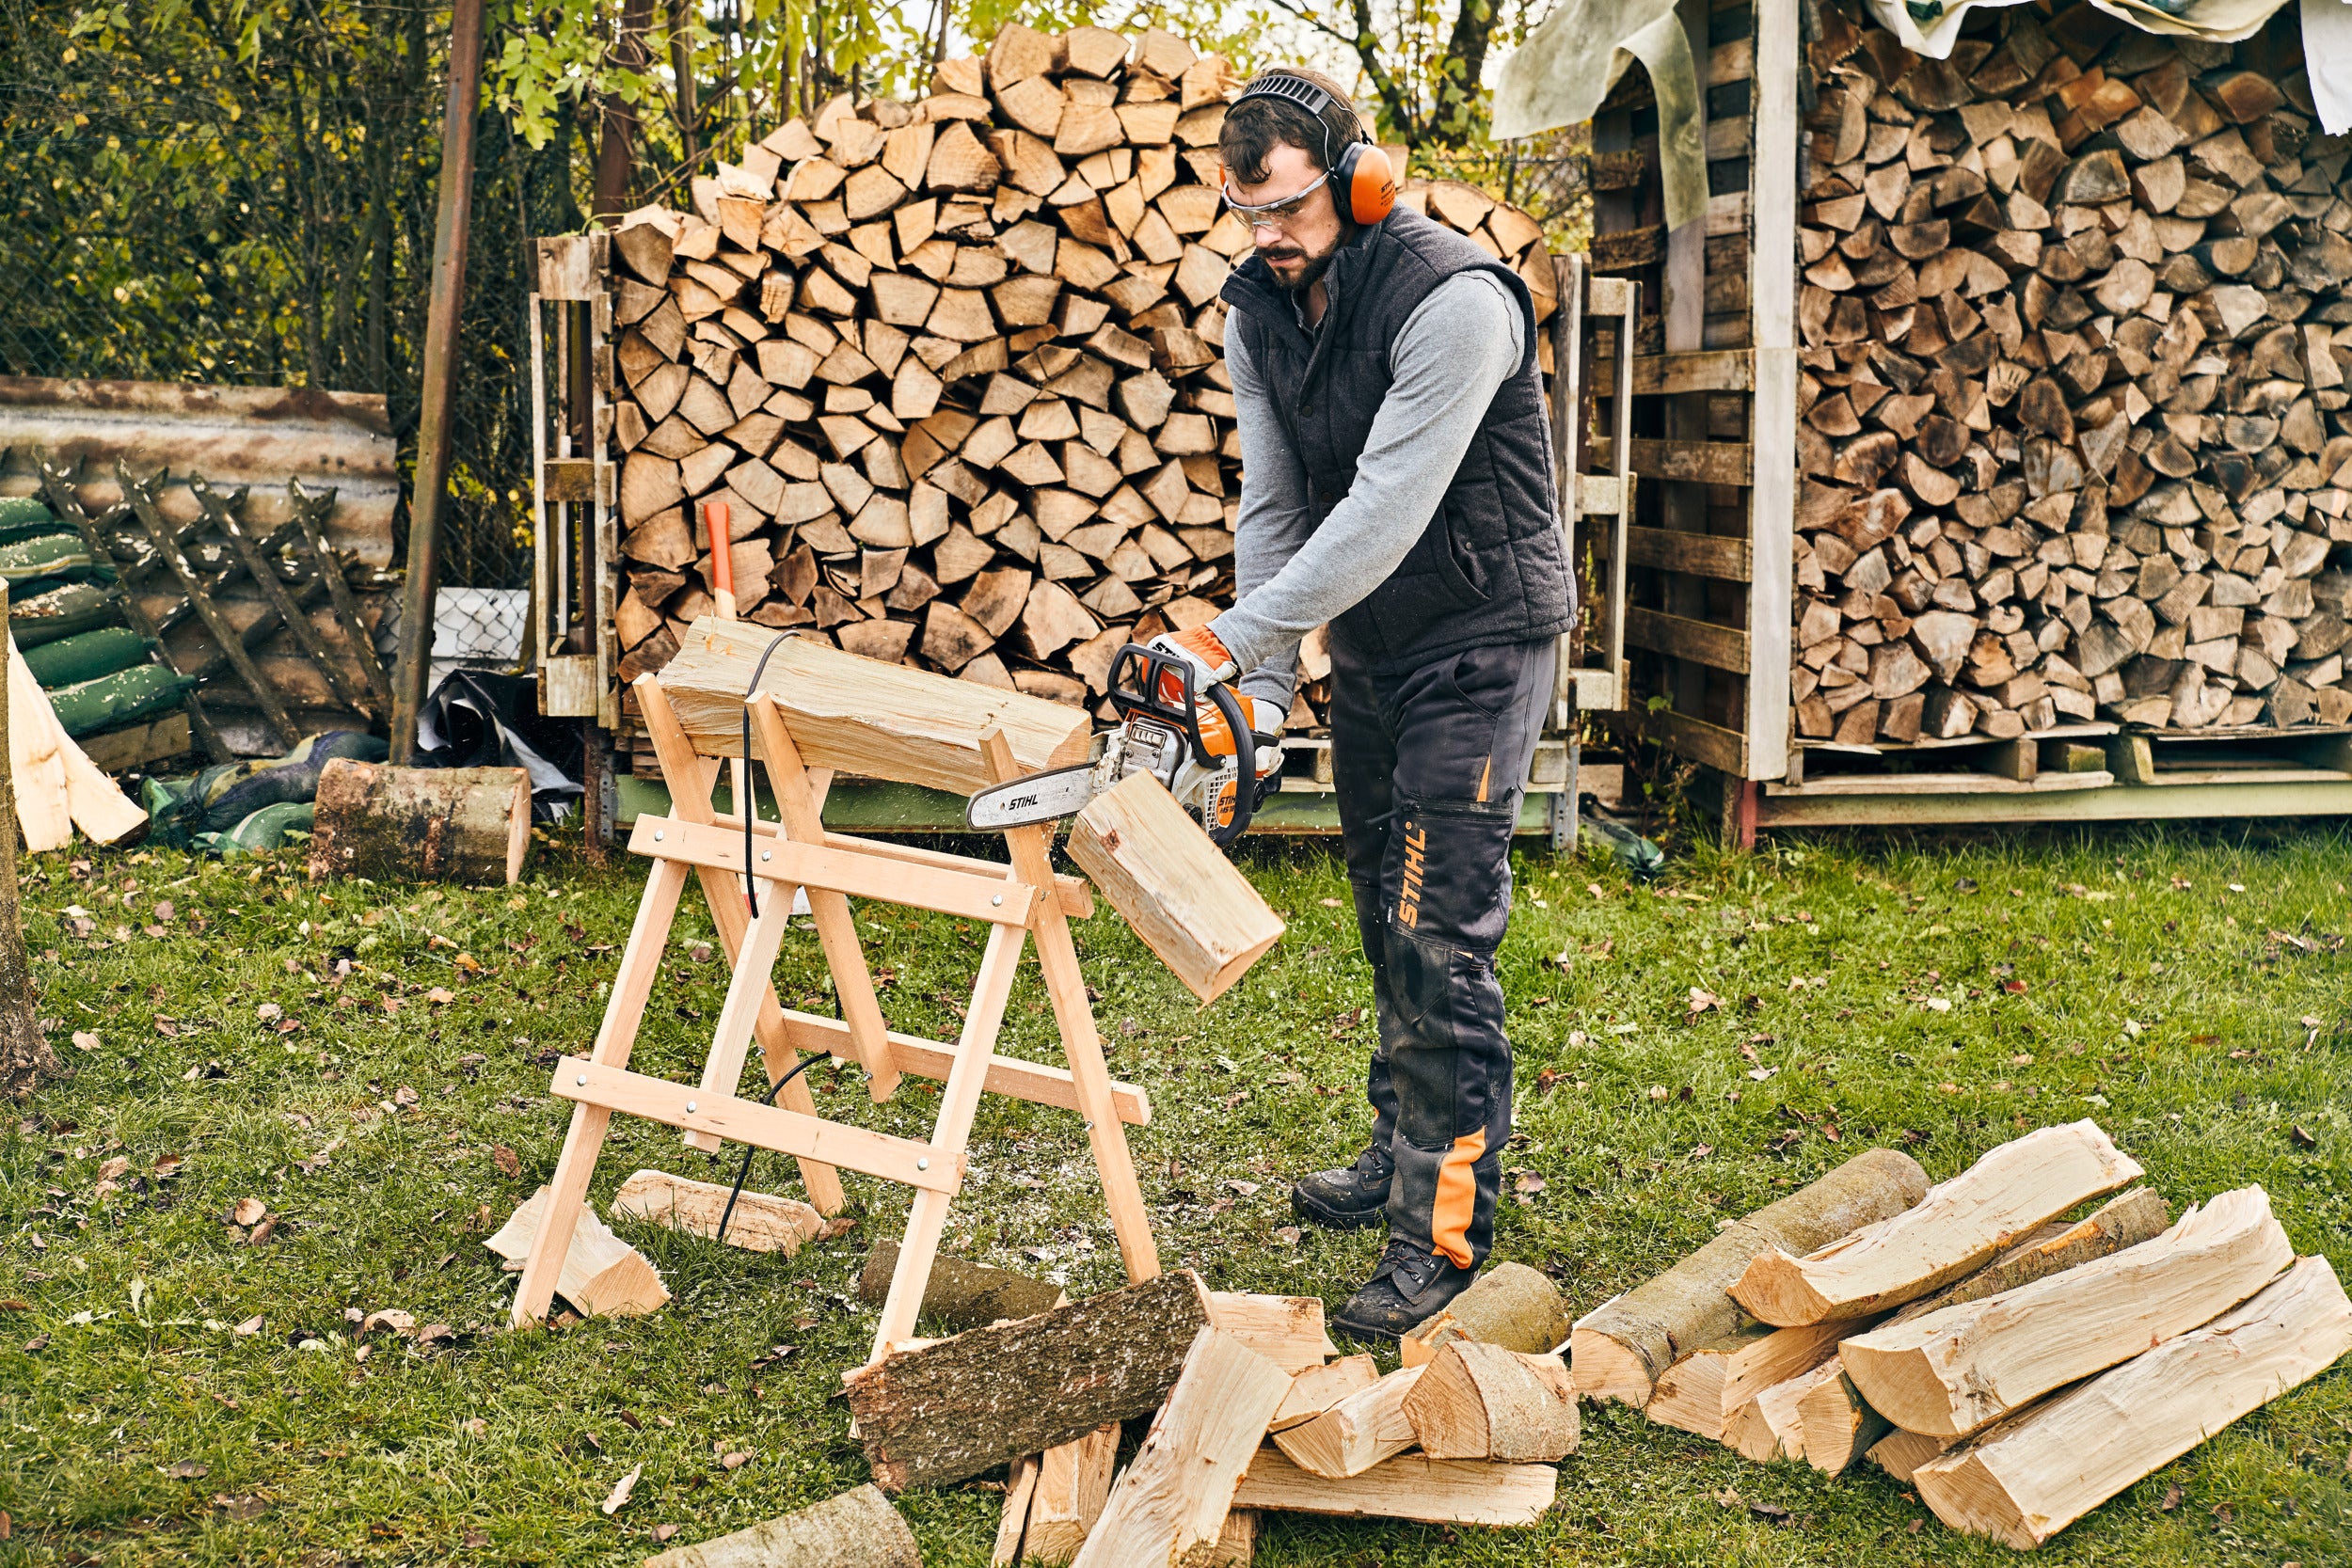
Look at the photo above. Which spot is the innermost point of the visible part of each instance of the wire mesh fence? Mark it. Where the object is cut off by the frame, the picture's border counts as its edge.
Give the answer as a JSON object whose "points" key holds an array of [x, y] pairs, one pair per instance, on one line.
{"points": [[185, 201]]}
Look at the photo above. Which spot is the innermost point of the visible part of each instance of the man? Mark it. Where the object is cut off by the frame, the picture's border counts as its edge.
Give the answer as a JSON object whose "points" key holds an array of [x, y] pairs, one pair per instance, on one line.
{"points": [[1397, 484]]}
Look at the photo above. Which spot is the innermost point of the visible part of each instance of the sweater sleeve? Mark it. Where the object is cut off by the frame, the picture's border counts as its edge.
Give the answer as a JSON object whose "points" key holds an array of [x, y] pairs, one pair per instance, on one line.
{"points": [[1456, 351]]}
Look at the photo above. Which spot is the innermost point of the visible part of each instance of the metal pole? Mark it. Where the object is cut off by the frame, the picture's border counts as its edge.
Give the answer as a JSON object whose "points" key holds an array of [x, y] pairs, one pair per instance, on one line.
{"points": [[442, 314]]}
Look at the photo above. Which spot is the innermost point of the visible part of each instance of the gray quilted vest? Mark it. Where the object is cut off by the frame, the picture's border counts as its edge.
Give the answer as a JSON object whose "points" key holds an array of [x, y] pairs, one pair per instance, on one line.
{"points": [[1491, 567]]}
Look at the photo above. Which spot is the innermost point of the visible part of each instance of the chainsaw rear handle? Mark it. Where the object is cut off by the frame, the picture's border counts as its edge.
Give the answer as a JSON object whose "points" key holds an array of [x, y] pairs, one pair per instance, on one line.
{"points": [[1131, 695]]}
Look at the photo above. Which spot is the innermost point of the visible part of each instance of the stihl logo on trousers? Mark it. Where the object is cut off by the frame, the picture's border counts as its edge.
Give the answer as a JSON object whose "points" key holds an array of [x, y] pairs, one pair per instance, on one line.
{"points": [[1409, 898]]}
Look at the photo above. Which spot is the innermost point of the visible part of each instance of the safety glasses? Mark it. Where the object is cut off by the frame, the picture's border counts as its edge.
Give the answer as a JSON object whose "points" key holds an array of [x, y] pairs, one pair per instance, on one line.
{"points": [[1276, 214]]}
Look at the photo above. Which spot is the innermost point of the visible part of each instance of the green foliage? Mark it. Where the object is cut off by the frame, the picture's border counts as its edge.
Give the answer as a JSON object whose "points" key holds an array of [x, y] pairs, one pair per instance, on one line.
{"points": [[365, 1059]]}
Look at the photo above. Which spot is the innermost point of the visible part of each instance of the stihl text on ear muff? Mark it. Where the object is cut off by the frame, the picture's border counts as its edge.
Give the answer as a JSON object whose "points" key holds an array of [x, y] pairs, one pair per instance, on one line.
{"points": [[1359, 171]]}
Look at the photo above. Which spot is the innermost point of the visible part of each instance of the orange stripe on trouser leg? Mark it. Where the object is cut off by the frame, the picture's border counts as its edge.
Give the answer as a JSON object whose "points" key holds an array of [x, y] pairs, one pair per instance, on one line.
{"points": [[1457, 1198]]}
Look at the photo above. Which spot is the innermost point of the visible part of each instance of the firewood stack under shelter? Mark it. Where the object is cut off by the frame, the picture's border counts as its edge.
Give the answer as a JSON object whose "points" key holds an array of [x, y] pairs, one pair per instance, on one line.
{"points": [[954, 369], [2074, 341]]}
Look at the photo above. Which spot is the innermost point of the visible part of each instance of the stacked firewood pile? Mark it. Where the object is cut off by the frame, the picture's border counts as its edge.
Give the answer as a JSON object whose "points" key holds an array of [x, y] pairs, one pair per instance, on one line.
{"points": [[954, 368], [1942, 1331], [2075, 340]]}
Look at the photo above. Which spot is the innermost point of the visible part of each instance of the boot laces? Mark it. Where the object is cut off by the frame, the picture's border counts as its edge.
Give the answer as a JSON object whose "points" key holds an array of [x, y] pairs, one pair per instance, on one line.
{"points": [[1412, 1267]]}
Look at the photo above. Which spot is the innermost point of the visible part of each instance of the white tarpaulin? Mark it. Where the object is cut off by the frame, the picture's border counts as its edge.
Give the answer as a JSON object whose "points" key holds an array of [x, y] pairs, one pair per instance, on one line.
{"points": [[1560, 73], [2328, 55]]}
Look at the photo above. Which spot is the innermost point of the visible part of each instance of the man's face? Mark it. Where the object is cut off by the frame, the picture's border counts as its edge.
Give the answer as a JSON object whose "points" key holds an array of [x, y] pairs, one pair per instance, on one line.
{"points": [[1299, 247]]}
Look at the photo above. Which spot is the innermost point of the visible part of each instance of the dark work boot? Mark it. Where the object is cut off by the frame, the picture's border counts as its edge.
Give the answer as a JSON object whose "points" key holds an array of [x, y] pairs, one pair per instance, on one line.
{"points": [[1409, 1286], [1348, 1199]]}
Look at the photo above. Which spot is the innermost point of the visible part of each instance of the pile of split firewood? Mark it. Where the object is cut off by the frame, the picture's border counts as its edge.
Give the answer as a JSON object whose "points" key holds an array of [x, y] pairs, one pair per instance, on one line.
{"points": [[1938, 1330], [954, 368], [2075, 341]]}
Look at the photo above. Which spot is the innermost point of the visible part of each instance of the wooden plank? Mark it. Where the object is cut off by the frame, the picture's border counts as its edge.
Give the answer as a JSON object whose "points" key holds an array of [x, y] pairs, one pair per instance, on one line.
{"points": [[1725, 750], [1719, 647], [783, 862], [1772, 415], [861, 715], [1733, 61], [1035, 1082], [1077, 894], [1726, 214], [721, 1116], [1714, 370], [1411, 1486], [1695, 462], [1705, 555]]}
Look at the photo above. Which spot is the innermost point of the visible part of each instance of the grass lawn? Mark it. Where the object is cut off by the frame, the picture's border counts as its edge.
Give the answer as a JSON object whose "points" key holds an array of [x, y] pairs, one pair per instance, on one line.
{"points": [[372, 1063]]}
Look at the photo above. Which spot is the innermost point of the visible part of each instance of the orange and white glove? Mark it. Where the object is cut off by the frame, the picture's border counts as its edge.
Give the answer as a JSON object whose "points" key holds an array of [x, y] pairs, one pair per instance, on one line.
{"points": [[1199, 647]]}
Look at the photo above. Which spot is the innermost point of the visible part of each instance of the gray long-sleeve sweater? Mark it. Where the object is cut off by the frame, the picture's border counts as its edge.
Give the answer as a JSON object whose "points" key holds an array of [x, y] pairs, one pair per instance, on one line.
{"points": [[1456, 350]]}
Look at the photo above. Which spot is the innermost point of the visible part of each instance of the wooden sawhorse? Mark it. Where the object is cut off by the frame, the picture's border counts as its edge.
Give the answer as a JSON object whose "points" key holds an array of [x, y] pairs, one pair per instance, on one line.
{"points": [[1019, 901]]}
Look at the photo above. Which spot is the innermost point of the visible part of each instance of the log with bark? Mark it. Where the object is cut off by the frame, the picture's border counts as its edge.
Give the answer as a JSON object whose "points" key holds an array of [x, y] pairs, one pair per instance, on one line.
{"points": [[420, 824], [1476, 1400], [857, 1530], [1956, 1371], [1510, 1304], [956, 368], [960, 1294], [1954, 1231], [2074, 424], [1620, 1349], [2030, 1477], [987, 1397]]}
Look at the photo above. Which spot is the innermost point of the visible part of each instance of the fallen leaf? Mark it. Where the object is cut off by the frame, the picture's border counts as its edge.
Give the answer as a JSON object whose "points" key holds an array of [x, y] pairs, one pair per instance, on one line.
{"points": [[404, 1096], [240, 1509], [112, 1168], [1288, 1234], [2302, 1137], [269, 1012], [1704, 1001], [390, 1318], [475, 1426], [663, 1532], [1658, 1091], [735, 1461], [475, 1539], [439, 994], [505, 1158], [249, 1211], [2171, 1497], [1329, 903], [1529, 1182], [262, 1232], [621, 1489], [85, 1040], [187, 1469]]}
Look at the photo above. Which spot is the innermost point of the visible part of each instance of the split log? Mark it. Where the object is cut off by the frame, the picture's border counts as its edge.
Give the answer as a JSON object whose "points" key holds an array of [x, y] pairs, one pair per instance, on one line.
{"points": [[1954, 1231], [856, 1530], [1188, 903], [1510, 1304], [1316, 1390], [1478, 1401], [603, 1276], [761, 1222], [2032, 1476], [1772, 1425], [1900, 1453], [1169, 1505], [1412, 1486], [1286, 1330], [1012, 1521], [420, 824], [1356, 1434], [1620, 1349], [985, 1398], [1073, 1481], [1704, 1390], [1953, 1373]]}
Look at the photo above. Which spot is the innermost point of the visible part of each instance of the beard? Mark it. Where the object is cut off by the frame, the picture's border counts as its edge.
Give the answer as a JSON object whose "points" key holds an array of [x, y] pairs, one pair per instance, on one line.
{"points": [[1308, 275]]}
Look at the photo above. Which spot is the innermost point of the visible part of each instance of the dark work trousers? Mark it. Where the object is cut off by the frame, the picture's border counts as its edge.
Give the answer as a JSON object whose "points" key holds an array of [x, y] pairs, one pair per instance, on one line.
{"points": [[1429, 767]]}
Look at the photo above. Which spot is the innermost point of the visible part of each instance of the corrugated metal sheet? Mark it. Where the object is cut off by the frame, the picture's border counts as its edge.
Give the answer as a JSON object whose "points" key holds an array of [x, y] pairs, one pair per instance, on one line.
{"points": [[258, 436]]}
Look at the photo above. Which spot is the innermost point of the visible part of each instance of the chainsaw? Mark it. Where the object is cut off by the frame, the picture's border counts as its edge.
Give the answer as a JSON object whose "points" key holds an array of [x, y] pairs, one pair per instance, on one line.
{"points": [[1154, 736]]}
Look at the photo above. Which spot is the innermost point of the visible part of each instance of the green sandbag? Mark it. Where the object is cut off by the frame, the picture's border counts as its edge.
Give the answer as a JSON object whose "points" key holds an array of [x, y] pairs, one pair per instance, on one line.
{"points": [[22, 517], [52, 555], [111, 700], [85, 655], [46, 616]]}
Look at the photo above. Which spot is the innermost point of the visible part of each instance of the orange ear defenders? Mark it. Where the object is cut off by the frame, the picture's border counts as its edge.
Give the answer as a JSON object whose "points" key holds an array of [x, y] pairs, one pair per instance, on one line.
{"points": [[1359, 171]]}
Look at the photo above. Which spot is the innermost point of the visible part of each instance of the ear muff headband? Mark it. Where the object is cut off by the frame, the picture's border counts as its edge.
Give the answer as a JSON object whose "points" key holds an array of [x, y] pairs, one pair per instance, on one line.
{"points": [[1359, 171]]}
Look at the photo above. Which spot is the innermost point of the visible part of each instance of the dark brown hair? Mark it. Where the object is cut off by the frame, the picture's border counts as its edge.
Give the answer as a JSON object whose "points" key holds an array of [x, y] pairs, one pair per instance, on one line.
{"points": [[1255, 127]]}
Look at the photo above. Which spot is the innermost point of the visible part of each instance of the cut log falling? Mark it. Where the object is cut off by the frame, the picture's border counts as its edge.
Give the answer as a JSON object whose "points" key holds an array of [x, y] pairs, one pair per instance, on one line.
{"points": [[2074, 434], [955, 367]]}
